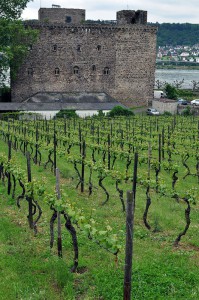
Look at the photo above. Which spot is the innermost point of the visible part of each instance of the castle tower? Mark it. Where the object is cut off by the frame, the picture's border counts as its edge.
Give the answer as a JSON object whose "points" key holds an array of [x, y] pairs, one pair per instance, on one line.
{"points": [[61, 15], [72, 55], [132, 17]]}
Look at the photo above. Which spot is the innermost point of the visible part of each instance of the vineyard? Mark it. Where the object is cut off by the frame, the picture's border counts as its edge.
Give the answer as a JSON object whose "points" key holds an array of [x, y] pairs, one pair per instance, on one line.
{"points": [[67, 180]]}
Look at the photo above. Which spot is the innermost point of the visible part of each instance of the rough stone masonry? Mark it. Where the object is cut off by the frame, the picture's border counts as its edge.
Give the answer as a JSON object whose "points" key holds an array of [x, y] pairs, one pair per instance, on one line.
{"points": [[75, 55]]}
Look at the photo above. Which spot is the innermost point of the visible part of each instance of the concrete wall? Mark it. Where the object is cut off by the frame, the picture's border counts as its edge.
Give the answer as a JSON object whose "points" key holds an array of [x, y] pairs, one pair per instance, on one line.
{"points": [[118, 60], [163, 105]]}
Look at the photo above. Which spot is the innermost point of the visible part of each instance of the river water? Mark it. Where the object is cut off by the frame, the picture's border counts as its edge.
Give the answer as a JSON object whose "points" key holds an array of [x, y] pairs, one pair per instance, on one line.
{"points": [[171, 75]]}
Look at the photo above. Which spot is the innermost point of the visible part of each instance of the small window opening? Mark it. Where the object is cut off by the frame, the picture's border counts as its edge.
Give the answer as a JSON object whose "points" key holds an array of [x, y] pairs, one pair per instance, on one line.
{"points": [[57, 71], [79, 48], [106, 71], [30, 71], [99, 47], [93, 67], [54, 47], [76, 70], [68, 19]]}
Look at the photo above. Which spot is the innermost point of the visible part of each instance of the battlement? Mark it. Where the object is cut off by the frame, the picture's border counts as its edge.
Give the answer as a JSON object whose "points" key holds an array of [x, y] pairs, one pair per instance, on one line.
{"points": [[89, 27], [72, 16]]}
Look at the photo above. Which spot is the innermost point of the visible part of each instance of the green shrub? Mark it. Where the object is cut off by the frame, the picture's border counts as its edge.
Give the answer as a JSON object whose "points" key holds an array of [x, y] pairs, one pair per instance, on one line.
{"points": [[187, 112], [185, 93], [120, 111], [101, 113], [66, 113], [167, 113]]}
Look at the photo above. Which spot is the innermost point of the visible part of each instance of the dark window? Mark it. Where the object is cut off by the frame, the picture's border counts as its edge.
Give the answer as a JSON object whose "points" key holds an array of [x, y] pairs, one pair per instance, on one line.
{"points": [[106, 71], [76, 70], [68, 19], [78, 48], [30, 71], [99, 47], [56, 71], [93, 67], [54, 47]]}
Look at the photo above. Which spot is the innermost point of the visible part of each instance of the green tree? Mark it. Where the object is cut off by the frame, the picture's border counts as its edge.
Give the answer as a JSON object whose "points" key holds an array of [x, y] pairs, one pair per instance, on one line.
{"points": [[171, 91], [177, 34], [15, 37], [12, 9]]}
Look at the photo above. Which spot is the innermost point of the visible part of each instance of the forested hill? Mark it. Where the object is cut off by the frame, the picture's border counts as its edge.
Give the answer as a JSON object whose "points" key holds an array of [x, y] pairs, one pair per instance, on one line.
{"points": [[177, 34]]}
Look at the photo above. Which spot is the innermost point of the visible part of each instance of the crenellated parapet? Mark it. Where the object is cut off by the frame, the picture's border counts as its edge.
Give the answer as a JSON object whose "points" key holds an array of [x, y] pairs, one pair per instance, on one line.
{"points": [[91, 27]]}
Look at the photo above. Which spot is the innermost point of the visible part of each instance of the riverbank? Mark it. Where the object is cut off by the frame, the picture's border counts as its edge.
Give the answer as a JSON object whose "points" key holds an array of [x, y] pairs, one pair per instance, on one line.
{"points": [[174, 67]]}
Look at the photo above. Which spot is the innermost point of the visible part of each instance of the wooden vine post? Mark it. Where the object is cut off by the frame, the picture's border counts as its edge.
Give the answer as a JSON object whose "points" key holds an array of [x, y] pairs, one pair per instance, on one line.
{"points": [[83, 154], [129, 245], [148, 199], [55, 149], [198, 129], [129, 234], [135, 173], [29, 197], [36, 144], [59, 238], [162, 143], [109, 154], [9, 158], [159, 149], [80, 138]]}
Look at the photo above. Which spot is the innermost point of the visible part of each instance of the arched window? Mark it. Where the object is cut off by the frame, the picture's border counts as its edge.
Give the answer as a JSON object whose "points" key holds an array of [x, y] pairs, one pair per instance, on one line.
{"points": [[106, 71], [56, 71], [76, 70], [78, 48], [99, 47], [93, 67], [30, 71]]}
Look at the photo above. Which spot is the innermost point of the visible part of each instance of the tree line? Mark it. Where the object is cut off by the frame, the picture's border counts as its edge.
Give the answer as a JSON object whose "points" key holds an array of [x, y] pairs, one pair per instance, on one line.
{"points": [[177, 34]]}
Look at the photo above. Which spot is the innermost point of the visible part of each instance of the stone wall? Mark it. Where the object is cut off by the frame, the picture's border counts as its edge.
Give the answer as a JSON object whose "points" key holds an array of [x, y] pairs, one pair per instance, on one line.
{"points": [[61, 15], [135, 64], [132, 17], [118, 60]]}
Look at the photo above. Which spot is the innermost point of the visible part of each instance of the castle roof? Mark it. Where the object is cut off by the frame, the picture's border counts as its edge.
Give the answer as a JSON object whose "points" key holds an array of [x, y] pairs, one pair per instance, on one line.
{"points": [[58, 101]]}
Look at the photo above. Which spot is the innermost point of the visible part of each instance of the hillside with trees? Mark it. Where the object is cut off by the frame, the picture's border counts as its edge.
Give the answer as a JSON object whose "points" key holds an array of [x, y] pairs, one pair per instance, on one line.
{"points": [[177, 34]]}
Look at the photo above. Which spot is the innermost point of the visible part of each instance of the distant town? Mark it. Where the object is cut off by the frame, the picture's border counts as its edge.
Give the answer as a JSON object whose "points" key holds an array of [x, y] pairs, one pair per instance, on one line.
{"points": [[178, 55]]}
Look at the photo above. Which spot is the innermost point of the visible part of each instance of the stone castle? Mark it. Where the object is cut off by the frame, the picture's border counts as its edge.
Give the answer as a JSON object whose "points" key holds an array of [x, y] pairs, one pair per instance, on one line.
{"points": [[73, 55]]}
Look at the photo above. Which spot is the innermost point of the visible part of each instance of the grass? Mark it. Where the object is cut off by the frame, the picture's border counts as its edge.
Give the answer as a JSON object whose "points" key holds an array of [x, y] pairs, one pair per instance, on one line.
{"points": [[28, 271], [31, 270]]}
